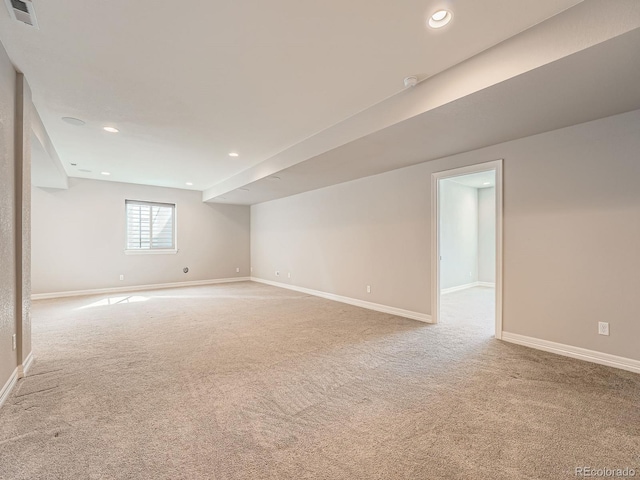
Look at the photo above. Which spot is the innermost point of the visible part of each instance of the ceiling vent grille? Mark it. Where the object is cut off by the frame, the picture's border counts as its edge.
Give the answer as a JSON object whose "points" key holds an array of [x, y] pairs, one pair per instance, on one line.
{"points": [[22, 11]]}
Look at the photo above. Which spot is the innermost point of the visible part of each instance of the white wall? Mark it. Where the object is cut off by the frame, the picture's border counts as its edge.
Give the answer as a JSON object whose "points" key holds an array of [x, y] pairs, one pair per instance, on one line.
{"points": [[342, 238], [467, 234], [459, 224], [571, 230], [79, 238], [15, 166], [8, 287], [487, 235]]}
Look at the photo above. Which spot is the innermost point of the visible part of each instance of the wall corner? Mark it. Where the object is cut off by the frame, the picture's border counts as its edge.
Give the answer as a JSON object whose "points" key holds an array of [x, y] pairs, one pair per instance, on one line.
{"points": [[23, 217]]}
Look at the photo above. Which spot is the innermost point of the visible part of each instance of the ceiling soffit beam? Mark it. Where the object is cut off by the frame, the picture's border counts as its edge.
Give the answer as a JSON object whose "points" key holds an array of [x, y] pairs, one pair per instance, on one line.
{"points": [[595, 20], [60, 180]]}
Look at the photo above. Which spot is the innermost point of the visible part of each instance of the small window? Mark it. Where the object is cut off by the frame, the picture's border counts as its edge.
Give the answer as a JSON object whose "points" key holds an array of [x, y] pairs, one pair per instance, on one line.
{"points": [[151, 226]]}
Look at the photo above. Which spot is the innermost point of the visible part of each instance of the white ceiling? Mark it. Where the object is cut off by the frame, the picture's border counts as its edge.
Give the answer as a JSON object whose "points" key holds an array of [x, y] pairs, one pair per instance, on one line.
{"points": [[594, 83], [188, 83], [476, 180]]}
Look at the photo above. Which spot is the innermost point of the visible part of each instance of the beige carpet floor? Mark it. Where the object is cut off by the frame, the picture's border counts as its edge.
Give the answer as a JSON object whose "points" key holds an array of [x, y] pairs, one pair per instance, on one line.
{"points": [[246, 381]]}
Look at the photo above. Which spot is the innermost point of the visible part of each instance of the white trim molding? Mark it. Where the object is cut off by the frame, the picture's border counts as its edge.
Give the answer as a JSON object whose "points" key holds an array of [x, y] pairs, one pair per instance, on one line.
{"points": [[458, 288], [150, 251], [496, 166], [6, 389], [444, 291], [135, 288], [26, 365], [421, 317], [574, 352]]}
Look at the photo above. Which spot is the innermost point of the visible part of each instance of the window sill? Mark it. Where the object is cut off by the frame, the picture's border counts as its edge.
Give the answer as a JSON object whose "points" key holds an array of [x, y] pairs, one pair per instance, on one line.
{"points": [[151, 252]]}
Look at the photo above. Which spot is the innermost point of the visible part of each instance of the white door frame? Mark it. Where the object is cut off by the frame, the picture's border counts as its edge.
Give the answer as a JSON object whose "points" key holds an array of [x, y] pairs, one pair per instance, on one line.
{"points": [[496, 166]]}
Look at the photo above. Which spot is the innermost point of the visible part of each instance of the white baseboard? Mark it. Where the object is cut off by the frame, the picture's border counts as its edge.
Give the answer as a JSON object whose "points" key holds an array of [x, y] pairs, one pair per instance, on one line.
{"points": [[6, 389], [574, 352], [422, 317], [19, 372], [135, 288], [444, 291], [26, 365]]}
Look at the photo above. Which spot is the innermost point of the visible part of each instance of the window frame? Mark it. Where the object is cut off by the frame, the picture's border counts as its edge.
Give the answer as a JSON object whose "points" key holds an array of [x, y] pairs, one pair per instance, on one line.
{"points": [[151, 251]]}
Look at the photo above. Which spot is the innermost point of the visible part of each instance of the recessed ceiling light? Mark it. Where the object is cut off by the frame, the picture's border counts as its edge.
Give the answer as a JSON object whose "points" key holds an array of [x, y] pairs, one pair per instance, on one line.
{"points": [[233, 154], [73, 121], [487, 183], [189, 183], [84, 170], [440, 18], [110, 129], [439, 15], [105, 173]]}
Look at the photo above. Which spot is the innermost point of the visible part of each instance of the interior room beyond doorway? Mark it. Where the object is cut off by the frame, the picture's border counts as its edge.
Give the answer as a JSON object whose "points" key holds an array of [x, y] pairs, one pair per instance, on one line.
{"points": [[467, 229]]}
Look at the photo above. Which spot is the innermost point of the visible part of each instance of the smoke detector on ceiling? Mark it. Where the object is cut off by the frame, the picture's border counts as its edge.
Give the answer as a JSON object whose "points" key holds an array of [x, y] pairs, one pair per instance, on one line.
{"points": [[411, 81], [22, 11]]}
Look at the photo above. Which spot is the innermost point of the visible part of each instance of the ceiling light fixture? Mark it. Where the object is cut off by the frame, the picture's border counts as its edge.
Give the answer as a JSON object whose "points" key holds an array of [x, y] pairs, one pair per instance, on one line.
{"points": [[110, 129], [440, 18], [487, 183], [233, 154], [73, 121], [190, 184], [439, 15], [105, 173]]}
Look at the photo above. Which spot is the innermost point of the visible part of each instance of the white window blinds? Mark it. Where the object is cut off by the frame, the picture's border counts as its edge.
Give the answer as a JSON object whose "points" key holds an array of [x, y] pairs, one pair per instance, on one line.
{"points": [[150, 226]]}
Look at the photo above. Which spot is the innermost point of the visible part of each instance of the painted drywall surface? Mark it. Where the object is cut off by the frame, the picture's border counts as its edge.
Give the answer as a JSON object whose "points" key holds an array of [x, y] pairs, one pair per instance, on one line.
{"points": [[571, 230], [458, 234], [487, 235], [342, 238], [23, 218], [576, 29], [8, 358], [78, 238]]}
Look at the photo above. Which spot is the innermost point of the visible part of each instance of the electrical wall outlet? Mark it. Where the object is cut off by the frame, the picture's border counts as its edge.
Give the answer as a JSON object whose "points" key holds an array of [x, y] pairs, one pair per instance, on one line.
{"points": [[238, 270], [368, 288], [603, 328], [121, 277], [14, 343], [288, 274]]}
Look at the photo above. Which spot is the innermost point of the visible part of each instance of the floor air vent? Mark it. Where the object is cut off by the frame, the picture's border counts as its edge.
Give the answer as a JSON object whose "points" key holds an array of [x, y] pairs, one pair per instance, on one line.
{"points": [[22, 11]]}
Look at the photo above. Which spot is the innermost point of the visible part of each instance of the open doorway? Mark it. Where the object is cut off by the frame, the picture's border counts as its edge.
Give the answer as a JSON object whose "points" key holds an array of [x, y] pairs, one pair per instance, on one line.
{"points": [[467, 253]]}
